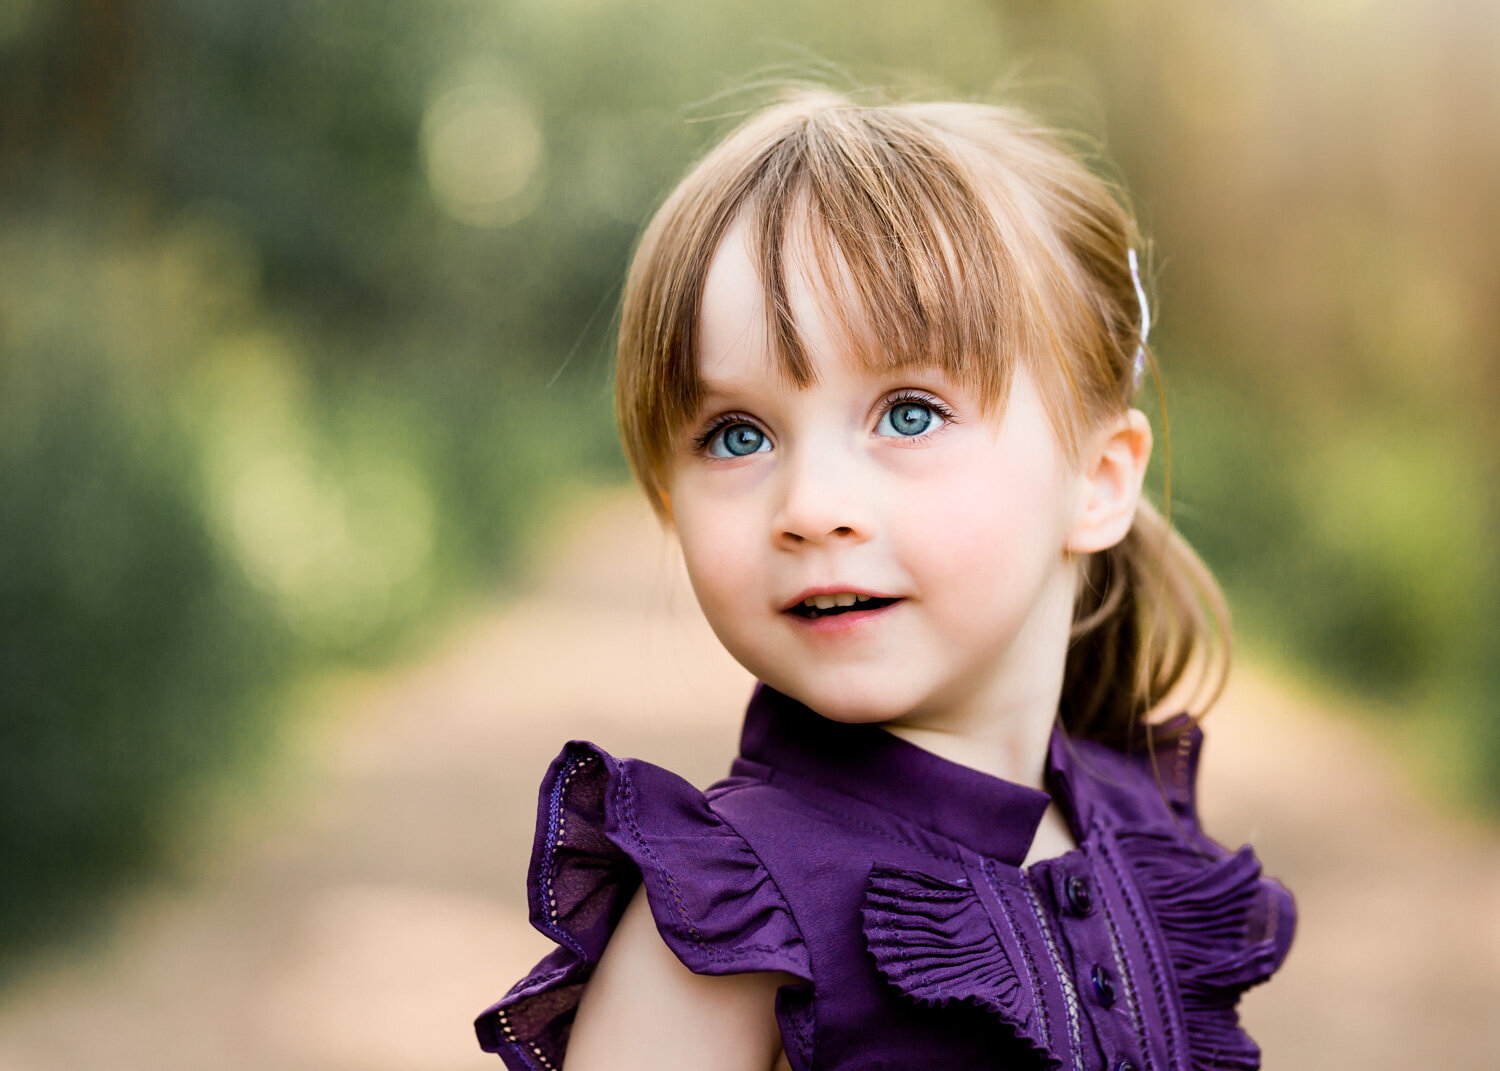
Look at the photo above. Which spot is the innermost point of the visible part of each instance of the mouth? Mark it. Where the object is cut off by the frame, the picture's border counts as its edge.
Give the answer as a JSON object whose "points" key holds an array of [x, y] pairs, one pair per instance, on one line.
{"points": [[843, 602]]}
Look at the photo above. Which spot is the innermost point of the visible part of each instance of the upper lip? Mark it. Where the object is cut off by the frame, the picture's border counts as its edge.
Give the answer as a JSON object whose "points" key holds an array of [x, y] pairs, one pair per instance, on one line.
{"points": [[835, 589]]}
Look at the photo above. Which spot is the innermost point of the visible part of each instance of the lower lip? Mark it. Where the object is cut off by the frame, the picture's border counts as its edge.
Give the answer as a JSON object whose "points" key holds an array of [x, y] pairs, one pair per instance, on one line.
{"points": [[838, 624]]}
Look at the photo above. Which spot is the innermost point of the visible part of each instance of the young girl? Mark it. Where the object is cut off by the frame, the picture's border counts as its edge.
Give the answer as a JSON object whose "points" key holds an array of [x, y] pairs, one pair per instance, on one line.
{"points": [[876, 372]]}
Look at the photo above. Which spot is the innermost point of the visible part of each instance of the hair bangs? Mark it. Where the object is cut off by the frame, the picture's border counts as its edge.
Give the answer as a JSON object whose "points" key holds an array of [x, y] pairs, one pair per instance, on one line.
{"points": [[882, 220], [896, 222]]}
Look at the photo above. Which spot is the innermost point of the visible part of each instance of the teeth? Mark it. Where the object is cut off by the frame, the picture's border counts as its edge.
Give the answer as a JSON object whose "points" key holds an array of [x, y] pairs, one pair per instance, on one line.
{"points": [[828, 602]]}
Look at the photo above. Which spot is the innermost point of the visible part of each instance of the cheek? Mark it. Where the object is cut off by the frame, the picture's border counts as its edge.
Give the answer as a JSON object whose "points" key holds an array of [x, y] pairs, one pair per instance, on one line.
{"points": [[982, 526], [716, 548]]}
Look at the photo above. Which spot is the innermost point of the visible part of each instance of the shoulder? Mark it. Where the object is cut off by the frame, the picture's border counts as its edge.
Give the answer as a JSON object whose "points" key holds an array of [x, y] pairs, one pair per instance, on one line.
{"points": [[606, 828], [641, 993], [603, 820]]}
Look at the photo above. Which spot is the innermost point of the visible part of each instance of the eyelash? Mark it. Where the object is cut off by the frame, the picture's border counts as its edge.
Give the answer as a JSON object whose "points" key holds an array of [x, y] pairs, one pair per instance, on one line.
{"points": [[728, 420], [921, 398], [716, 425]]}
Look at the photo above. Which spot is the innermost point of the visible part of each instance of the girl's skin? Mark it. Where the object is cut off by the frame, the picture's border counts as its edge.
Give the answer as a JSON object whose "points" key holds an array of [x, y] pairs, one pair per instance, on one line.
{"points": [[892, 485]]}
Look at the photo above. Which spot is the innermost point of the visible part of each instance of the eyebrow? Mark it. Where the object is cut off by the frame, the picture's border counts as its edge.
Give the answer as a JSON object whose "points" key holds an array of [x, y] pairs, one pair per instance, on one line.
{"points": [[713, 389], [720, 388]]}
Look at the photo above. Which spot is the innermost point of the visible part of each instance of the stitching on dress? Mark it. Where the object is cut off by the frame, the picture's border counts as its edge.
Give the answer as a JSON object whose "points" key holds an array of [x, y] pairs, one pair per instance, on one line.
{"points": [[1121, 968], [803, 1019], [517, 1045], [775, 885], [555, 831], [627, 797], [1037, 999], [1107, 850], [887, 834], [542, 981], [867, 827], [626, 791], [1070, 995], [556, 828]]}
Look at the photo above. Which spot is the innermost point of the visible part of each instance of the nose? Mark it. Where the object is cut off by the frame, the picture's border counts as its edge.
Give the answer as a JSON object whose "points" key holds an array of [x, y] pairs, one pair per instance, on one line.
{"points": [[822, 500]]}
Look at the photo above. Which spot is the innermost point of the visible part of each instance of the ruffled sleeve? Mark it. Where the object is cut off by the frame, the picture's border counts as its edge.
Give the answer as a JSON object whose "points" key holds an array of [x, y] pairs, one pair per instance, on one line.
{"points": [[604, 827], [1226, 928], [1226, 925]]}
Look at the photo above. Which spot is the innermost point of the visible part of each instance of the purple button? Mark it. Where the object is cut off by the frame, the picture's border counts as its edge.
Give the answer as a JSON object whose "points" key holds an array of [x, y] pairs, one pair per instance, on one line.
{"points": [[1080, 897], [1104, 986]]}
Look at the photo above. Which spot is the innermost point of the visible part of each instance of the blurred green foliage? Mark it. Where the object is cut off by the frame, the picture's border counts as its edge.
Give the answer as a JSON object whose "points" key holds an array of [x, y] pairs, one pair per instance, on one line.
{"points": [[306, 313]]}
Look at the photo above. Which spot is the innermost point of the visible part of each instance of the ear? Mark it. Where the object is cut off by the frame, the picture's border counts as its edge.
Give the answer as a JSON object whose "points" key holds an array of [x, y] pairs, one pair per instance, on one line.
{"points": [[668, 521], [1114, 466]]}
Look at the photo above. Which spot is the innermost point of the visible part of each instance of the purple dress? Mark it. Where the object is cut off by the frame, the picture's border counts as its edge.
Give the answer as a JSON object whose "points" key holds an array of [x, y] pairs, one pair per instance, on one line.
{"points": [[888, 880]]}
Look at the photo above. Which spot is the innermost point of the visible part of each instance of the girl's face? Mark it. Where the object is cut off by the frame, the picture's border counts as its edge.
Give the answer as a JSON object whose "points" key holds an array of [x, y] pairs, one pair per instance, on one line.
{"points": [[883, 485]]}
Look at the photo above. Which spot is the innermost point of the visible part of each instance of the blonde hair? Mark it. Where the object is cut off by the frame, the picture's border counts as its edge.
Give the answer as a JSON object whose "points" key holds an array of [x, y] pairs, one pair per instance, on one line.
{"points": [[958, 235]]}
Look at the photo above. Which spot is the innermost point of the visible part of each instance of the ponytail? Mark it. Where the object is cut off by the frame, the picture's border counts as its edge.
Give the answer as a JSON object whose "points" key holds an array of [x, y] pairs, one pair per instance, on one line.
{"points": [[1148, 616]]}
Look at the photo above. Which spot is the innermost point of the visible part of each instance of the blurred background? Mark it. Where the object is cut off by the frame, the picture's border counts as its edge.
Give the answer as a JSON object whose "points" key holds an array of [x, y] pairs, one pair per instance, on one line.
{"points": [[306, 317]]}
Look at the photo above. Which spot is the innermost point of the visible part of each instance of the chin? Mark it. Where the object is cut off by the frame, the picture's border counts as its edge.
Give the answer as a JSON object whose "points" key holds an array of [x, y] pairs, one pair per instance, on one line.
{"points": [[851, 705]]}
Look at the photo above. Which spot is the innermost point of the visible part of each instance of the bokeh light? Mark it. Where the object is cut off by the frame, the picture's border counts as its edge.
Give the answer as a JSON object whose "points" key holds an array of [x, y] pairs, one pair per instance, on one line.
{"points": [[484, 152]]}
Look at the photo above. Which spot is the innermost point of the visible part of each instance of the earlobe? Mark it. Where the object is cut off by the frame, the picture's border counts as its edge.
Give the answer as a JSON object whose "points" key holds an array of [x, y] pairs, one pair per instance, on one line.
{"points": [[1114, 470]]}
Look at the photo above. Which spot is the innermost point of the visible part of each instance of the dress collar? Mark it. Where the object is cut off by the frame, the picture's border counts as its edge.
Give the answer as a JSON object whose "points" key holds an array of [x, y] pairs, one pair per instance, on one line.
{"points": [[996, 817]]}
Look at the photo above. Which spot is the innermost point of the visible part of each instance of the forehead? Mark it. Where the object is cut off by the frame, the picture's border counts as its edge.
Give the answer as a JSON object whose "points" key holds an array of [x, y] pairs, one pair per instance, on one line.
{"points": [[732, 336], [734, 340]]}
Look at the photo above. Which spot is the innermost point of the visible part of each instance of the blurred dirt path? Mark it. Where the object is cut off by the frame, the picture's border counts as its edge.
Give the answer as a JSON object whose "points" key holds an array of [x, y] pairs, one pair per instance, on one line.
{"points": [[381, 906]]}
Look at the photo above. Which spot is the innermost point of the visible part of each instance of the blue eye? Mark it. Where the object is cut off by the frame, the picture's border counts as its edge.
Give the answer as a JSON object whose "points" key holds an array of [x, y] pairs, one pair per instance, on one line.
{"points": [[909, 418], [738, 440]]}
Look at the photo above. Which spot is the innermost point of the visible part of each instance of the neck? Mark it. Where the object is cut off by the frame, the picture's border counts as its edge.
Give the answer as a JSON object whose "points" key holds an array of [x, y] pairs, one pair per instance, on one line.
{"points": [[1002, 725], [1013, 748]]}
